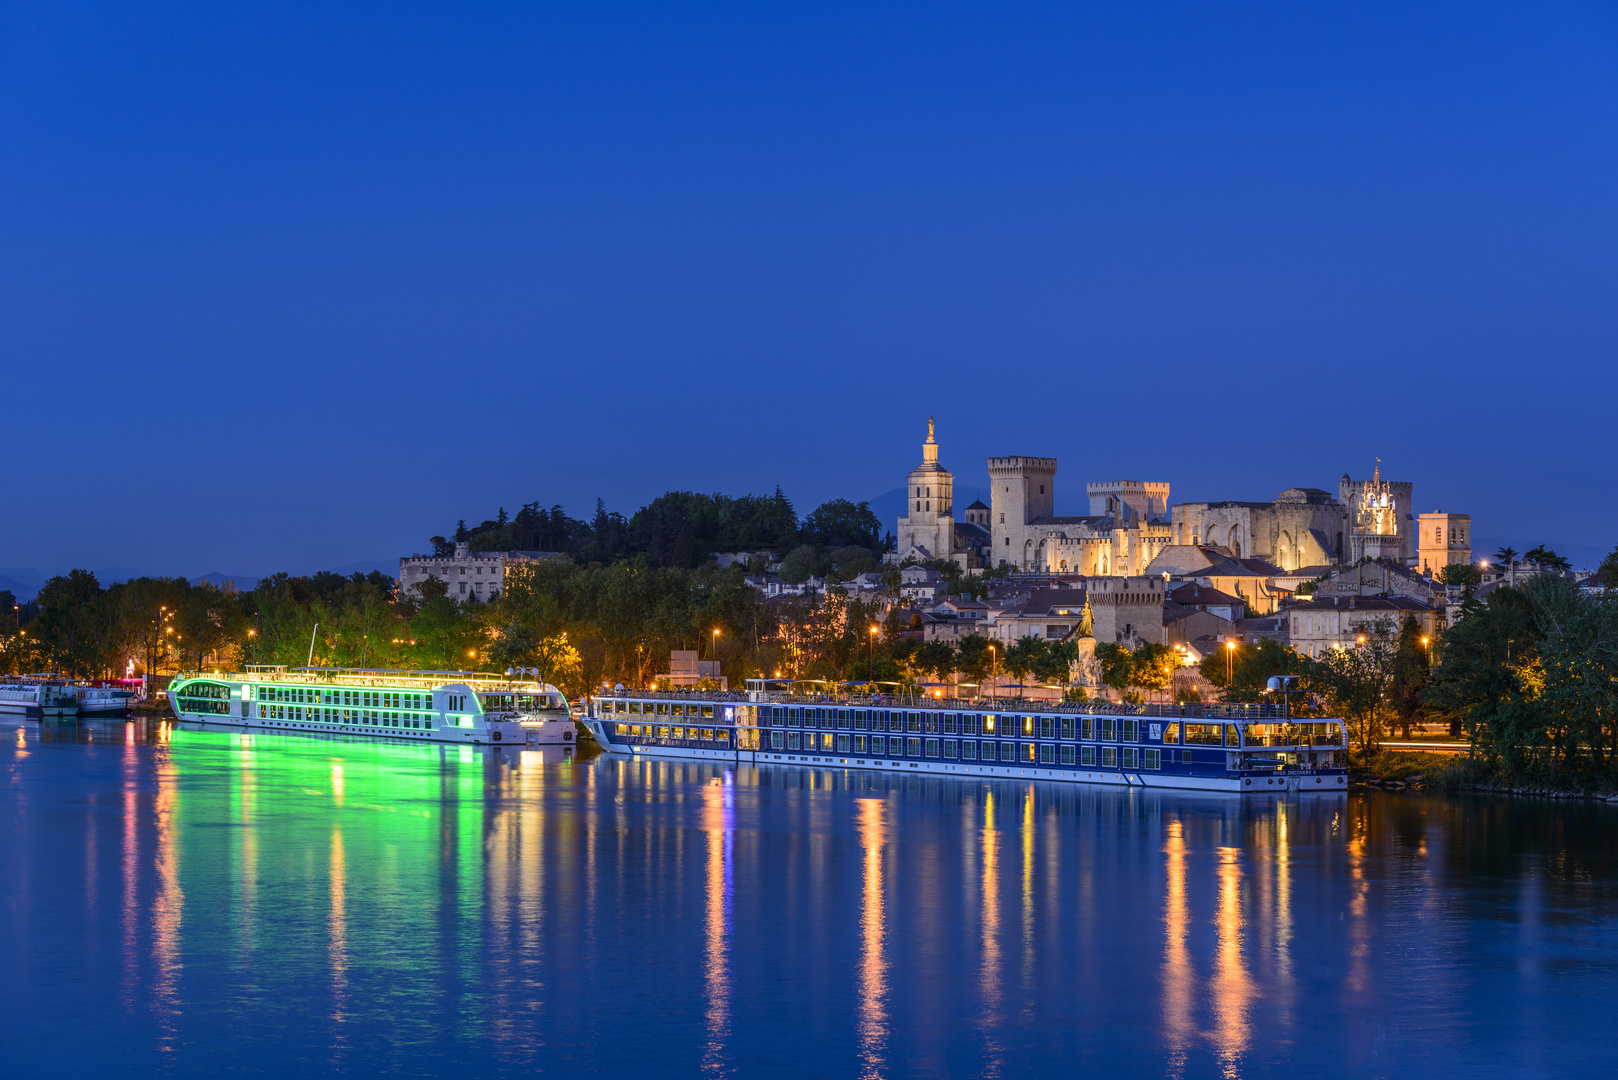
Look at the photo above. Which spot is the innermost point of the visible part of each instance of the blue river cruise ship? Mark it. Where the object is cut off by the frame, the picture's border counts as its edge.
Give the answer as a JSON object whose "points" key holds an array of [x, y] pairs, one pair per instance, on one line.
{"points": [[1206, 747]]}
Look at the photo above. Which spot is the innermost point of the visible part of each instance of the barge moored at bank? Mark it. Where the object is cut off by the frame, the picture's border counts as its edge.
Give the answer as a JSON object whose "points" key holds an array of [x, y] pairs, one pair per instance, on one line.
{"points": [[1207, 747]]}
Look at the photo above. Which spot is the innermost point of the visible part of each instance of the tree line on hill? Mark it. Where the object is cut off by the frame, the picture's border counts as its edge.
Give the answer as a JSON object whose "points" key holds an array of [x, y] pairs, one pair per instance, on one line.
{"points": [[685, 529]]}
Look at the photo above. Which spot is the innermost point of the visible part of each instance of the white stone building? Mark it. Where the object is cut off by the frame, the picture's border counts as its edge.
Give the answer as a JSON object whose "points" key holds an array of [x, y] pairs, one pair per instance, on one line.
{"points": [[471, 575]]}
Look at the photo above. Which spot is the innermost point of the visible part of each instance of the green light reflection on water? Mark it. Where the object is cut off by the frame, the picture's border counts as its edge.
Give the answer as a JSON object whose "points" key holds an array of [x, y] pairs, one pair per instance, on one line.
{"points": [[353, 876]]}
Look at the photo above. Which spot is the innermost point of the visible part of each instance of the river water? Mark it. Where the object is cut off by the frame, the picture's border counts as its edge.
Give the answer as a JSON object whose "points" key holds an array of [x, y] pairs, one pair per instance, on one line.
{"points": [[195, 903]]}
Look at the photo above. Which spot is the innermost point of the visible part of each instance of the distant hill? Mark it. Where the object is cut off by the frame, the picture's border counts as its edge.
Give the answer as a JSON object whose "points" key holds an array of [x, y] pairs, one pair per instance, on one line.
{"points": [[389, 567], [17, 588], [243, 582], [23, 584], [889, 507]]}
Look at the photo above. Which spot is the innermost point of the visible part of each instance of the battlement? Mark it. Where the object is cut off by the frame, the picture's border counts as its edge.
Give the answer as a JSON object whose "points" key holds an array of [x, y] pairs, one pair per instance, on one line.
{"points": [[1017, 466]]}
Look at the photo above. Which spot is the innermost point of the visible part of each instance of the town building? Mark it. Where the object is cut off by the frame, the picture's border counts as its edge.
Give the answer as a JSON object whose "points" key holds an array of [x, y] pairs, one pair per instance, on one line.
{"points": [[1443, 540], [1339, 622], [470, 575], [1381, 523], [929, 530], [1026, 532], [1299, 527]]}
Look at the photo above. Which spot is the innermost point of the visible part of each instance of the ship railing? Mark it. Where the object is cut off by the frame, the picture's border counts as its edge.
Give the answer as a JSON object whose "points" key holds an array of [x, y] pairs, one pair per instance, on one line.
{"points": [[1217, 710], [486, 684]]}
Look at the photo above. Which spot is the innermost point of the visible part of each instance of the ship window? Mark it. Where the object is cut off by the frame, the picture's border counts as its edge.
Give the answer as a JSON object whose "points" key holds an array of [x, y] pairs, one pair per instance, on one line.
{"points": [[1131, 731], [859, 744], [1028, 752], [1087, 755], [969, 751], [932, 747], [1008, 751], [792, 740], [1047, 754], [707, 712], [1067, 755], [1067, 729], [1129, 758], [912, 747], [1153, 759], [842, 744], [1109, 757], [1047, 727], [950, 746], [1185, 756]]}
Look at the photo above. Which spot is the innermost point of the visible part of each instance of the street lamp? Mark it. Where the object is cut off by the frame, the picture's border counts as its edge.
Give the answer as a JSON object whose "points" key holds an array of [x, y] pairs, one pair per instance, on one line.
{"points": [[870, 654], [994, 669], [713, 651], [1230, 663]]}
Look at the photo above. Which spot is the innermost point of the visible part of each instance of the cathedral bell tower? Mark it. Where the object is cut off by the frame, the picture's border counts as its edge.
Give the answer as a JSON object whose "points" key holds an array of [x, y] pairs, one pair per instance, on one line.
{"points": [[928, 524]]}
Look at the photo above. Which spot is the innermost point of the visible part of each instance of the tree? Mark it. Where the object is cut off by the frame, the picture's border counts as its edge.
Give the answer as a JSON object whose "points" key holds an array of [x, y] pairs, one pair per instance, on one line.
{"points": [[1505, 556], [1021, 657], [972, 658], [1152, 666], [1056, 666], [66, 625], [1117, 665], [557, 662], [841, 523], [936, 658], [1356, 682], [1408, 677], [1607, 572], [1464, 575], [1547, 558], [1251, 666]]}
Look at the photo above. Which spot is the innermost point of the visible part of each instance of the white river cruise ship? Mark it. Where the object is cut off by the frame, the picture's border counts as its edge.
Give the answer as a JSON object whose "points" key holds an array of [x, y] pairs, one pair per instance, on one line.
{"points": [[440, 706]]}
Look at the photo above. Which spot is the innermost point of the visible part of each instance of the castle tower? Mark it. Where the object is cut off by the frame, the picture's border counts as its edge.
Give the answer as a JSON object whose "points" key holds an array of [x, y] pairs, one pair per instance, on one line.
{"points": [[1381, 523], [1445, 539], [1022, 491], [1130, 500], [928, 524]]}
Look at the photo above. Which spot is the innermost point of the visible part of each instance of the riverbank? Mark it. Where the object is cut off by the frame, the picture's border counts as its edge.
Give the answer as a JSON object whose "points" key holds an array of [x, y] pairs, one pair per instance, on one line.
{"points": [[1400, 769]]}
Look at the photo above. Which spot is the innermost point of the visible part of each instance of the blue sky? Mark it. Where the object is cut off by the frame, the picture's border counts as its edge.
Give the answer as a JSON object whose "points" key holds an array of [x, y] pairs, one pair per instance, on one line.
{"points": [[292, 286]]}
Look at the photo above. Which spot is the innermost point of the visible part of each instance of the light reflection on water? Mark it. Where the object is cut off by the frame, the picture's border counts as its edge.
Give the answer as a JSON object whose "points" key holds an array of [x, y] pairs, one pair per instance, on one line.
{"points": [[281, 904]]}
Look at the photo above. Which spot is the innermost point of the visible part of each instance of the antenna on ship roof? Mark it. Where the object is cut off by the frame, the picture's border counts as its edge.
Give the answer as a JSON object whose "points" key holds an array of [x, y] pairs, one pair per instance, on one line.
{"points": [[312, 645]]}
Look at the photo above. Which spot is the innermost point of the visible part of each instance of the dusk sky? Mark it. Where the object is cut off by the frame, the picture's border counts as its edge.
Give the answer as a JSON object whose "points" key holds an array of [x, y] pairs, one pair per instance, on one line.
{"points": [[296, 286]]}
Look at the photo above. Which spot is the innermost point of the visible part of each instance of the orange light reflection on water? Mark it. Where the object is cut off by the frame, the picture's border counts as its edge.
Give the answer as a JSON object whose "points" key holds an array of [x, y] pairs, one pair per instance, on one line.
{"points": [[719, 827]]}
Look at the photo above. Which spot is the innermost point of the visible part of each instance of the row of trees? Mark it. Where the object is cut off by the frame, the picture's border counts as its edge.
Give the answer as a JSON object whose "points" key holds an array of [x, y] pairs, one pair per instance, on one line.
{"points": [[679, 528]]}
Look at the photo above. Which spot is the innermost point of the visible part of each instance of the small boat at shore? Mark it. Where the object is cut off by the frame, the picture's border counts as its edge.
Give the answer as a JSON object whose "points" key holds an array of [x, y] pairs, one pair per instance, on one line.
{"points": [[58, 697]]}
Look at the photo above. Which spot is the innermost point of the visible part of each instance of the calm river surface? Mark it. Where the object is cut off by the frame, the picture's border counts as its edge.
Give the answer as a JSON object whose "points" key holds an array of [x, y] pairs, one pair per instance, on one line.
{"points": [[196, 903]]}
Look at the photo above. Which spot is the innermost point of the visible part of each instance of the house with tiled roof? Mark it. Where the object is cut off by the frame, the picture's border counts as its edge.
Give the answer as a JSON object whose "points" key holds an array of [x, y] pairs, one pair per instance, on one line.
{"points": [[1339, 622]]}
